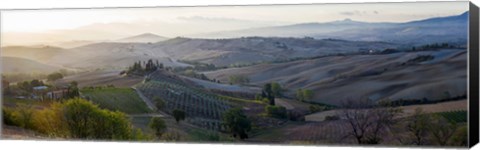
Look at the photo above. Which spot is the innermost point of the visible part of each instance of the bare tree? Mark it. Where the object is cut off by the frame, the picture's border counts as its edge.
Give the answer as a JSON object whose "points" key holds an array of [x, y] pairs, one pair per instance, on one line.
{"points": [[369, 120], [442, 130], [417, 126]]}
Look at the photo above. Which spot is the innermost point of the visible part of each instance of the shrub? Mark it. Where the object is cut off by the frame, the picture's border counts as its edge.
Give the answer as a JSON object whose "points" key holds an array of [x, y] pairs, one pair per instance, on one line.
{"points": [[237, 123], [81, 119], [158, 125], [178, 115], [8, 117], [331, 118], [276, 111], [316, 108]]}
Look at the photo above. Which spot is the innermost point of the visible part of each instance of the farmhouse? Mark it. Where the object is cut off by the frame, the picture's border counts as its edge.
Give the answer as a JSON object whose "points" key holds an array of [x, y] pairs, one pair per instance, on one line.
{"points": [[57, 94]]}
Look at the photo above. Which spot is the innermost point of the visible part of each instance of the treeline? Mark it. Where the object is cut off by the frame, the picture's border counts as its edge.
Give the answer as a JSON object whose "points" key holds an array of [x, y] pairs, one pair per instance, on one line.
{"points": [[433, 46], [139, 68]]}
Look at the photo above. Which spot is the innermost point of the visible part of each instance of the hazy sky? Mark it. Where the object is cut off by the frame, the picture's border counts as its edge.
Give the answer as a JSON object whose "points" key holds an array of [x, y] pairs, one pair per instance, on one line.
{"points": [[180, 21]]}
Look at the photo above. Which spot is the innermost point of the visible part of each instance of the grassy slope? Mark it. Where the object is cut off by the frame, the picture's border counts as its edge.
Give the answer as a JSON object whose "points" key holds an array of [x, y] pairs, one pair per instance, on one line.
{"points": [[122, 99]]}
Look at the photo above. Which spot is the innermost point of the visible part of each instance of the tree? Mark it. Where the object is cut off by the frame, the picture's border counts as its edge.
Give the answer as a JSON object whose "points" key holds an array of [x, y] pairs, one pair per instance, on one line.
{"points": [[158, 125], [179, 115], [81, 119], [54, 76], [307, 94], [238, 79], [36, 82], [73, 90], [159, 102], [268, 93], [276, 89], [417, 126], [299, 95], [276, 111], [368, 121], [85, 120], [304, 94], [442, 130], [237, 123]]}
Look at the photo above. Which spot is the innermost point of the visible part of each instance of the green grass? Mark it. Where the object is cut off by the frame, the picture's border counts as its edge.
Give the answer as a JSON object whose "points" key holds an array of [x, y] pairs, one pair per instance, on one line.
{"points": [[454, 116], [121, 99], [201, 135]]}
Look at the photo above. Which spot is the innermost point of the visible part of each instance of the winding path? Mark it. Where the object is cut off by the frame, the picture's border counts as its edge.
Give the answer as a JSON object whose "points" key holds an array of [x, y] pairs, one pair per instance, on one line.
{"points": [[146, 100]]}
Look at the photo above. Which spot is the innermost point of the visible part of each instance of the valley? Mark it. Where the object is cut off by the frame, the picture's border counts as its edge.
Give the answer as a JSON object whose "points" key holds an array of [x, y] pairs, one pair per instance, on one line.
{"points": [[309, 83]]}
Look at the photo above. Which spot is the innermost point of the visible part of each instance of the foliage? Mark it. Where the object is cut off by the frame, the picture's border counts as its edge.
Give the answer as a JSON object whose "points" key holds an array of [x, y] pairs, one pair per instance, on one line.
{"points": [[159, 103], [238, 79], [276, 111], [54, 76], [420, 58], [331, 118], [179, 115], [304, 94], [138, 69], [454, 116], [442, 129], [417, 126], [368, 121], [276, 89], [237, 123], [158, 125], [73, 90], [79, 119], [267, 92], [316, 108], [171, 136], [460, 138], [86, 121], [8, 117]]}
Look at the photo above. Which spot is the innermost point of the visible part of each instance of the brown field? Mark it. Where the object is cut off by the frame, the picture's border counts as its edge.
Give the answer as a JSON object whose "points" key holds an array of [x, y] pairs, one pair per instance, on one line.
{"points": [[407, 110], [101, 78]]}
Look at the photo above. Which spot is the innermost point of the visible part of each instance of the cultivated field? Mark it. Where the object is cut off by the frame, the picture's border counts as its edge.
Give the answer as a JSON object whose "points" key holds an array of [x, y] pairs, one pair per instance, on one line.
{"points": [[121, 99], [101, 78], [407, 110]]}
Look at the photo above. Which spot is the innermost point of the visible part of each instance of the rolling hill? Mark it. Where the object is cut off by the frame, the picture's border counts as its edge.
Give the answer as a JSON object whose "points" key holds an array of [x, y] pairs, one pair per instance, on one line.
{"points": [[338, 78], [442, 29], [39, 53], [220, 52], [143, 38], [22, 65]]}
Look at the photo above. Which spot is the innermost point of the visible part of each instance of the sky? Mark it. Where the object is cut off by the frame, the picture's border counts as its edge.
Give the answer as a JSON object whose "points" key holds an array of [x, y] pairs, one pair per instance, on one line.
{"points": [[97, 24]]}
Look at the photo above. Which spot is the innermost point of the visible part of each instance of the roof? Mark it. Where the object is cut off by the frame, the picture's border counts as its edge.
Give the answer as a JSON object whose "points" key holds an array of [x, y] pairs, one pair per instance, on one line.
{"points": [[40, 88]]}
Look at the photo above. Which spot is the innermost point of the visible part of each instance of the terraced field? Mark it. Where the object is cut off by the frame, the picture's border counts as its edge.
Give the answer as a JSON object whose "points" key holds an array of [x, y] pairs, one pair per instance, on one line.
{"points": [[121, 99]]}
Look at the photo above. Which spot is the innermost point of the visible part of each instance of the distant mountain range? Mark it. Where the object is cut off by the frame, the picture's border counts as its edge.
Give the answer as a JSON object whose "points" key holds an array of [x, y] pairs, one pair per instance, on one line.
{"points": [[143, 38], [452, 29]]}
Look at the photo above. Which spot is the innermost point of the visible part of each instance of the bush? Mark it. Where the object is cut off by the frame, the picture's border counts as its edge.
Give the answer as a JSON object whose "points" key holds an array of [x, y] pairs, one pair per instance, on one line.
{"points": [[80, 119], [460, 138], [178, 115], [237, 123], [276, 111], [8, 117], [316, 108], [158, 125], [331, 118]]}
